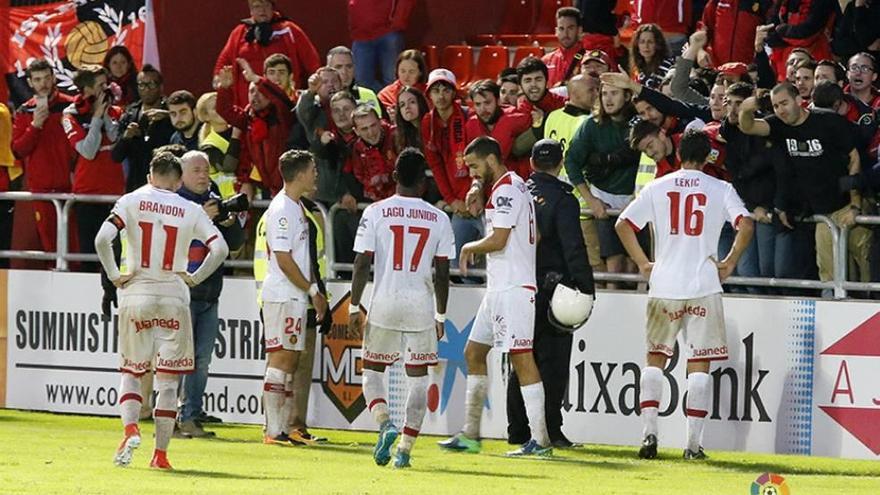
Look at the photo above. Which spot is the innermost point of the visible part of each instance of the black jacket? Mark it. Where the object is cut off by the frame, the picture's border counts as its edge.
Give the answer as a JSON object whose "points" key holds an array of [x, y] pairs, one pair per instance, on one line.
{"points": [[139, 149], [561, 246], [751, 161]]}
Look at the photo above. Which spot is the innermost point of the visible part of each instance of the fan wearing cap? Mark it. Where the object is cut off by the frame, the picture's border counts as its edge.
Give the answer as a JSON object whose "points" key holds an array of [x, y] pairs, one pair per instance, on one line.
{"points": [[443, 135], [564, 60], [561, 259], [595, 63]]}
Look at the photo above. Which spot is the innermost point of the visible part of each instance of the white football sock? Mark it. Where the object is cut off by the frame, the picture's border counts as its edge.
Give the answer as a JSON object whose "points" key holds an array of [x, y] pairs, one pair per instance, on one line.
{"points": [[287, 407], [649, 397], [375, 396], [697, 408], [533, 397], [130, 399], [416, 404], [273, 400], [165, 413], [473, 405]]}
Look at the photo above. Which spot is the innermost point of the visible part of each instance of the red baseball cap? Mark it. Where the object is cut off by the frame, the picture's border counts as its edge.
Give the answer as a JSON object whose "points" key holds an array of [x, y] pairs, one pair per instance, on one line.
{"points": [[737, 69]]}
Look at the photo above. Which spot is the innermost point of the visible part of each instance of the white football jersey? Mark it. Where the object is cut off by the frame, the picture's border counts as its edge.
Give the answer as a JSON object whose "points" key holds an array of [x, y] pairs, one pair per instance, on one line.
{"points": [[405, 235], [287, 230], [159, 227], [687, 209], [510, 206]]}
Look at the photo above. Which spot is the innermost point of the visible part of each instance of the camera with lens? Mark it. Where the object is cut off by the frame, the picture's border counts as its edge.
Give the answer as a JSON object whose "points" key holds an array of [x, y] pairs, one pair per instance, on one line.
{"points": [[232, 204]]}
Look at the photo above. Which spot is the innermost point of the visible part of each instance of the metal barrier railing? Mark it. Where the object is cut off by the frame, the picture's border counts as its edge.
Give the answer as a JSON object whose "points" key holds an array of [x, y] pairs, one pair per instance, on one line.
{"points": [[63, 202]]}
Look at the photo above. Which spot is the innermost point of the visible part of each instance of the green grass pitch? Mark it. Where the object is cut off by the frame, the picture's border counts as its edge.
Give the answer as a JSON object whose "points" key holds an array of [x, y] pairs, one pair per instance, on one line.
{"points": [[63, 454]]}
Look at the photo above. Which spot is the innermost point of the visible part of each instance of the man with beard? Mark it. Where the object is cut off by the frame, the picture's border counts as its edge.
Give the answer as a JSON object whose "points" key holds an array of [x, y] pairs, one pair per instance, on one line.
{"points": [[603, 168], [181, 110], [562, 62], [861, 74], [266, 120], [502, 123], [817, 176], [145, 126], [536, 99]]}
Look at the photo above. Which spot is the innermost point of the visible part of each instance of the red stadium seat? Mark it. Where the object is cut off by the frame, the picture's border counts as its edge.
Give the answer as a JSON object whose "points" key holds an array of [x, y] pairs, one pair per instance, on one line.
{"points": [[460, 60], [546, 40], [546, 22], [526, 51], [518, 16], [491, 61], [515, 39], [432, 59], [482, 39]]}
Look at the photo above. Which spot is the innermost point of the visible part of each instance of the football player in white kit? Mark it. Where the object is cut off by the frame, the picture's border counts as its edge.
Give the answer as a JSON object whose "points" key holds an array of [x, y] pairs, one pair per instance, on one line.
{"points": [[288, 287], [154, 317], [687, 209], [403, 236], [506, 316]]}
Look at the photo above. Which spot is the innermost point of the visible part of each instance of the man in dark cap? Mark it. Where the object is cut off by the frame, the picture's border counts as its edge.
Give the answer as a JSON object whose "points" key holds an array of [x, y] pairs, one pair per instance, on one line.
{"points": [[561, 258]]}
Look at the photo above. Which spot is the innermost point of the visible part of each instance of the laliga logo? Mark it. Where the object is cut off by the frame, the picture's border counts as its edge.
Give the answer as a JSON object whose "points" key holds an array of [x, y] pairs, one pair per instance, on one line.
{"points": [[770, 484], [855, 409]]}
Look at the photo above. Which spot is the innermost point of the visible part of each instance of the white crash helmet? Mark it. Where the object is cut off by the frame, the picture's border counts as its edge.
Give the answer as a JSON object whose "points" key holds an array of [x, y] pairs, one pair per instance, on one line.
{"points": [[569, 308]]}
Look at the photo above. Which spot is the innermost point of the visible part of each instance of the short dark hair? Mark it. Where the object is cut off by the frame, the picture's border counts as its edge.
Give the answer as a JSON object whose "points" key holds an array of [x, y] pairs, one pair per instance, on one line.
{"points": [[177, 150], [509, 78], [484, 146], [278, 59], [529, 65], [839, 71], [640, 130], [786, 87], [150, 69], [181, 97], [485, 86], [826, 94], [694, 147], [508, 72], [166, 164], [339, 50], [86, 76], [572, 12], [410, 167], [806, 64], [293, 162], [740, 89], [38, 65]]}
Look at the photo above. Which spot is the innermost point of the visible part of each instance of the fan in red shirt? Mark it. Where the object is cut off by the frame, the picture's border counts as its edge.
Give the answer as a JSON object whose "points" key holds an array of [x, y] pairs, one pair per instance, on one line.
{"points": [[535, 95], [266, 120], [91, 123], [562, 62], [38, 140], [504, 124], [266, 32], [412, 71], [443, 136], [372, 157]]}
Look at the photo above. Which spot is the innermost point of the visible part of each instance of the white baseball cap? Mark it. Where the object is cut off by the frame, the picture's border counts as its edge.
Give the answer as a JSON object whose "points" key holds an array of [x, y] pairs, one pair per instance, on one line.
{"points": [[438, 75]]}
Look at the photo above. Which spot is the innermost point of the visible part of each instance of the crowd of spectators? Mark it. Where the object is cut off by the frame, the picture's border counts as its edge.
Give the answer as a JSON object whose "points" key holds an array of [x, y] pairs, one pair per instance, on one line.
{"points": [[786, 89]]}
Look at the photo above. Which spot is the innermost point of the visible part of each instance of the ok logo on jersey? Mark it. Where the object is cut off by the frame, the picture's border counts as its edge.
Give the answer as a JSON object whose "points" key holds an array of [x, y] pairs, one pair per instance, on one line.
{"points": [[503, 202]]}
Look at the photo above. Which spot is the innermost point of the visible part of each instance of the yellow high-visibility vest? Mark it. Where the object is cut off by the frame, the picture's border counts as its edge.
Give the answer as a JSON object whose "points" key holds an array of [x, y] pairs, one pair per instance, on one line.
{"points": [[647, 171], [225, 181], [561, 126], [261, 253], [368, 96]]}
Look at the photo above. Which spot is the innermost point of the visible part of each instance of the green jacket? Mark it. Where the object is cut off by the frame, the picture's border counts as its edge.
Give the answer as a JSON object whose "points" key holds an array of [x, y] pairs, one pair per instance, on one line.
{"points": [[600, 155]]}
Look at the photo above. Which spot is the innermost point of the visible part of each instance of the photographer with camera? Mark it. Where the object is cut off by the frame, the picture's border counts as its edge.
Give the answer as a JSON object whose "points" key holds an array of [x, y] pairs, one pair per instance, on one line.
{"points": [[197, 187], [565, 291]]}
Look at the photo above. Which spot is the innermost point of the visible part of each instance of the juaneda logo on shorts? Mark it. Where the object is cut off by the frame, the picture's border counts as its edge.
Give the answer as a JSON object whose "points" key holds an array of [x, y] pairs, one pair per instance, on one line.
{"points": [[168, 324], [770, 484], [341, 364]]}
